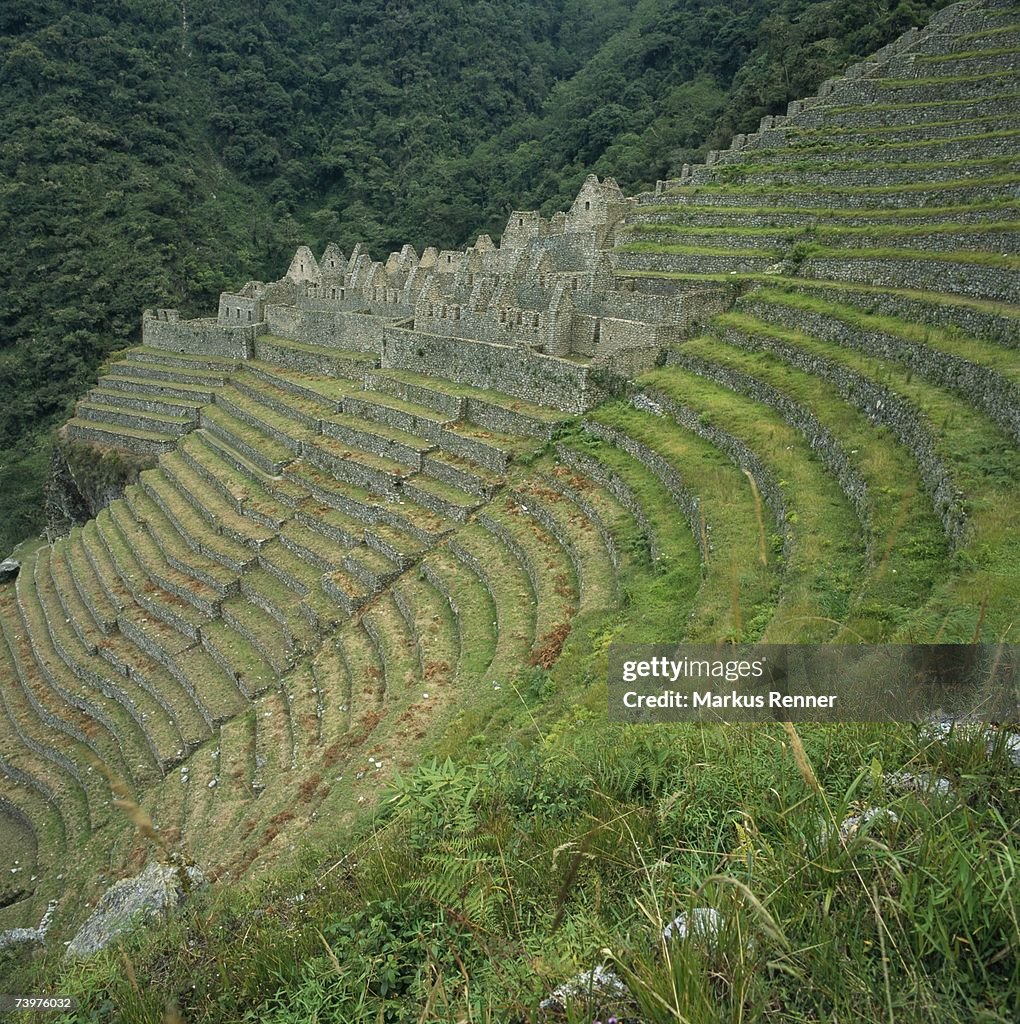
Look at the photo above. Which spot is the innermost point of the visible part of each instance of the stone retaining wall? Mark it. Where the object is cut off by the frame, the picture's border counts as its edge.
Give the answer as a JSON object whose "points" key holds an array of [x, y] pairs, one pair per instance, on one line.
{"points": [[986, 388], [377, 444], [483, 454], [883, 406], [981, 323], [274, 467], [278, 405], [329, 405], [688, 503], [434, 503], [203, 337], [135, 445], [605, 477], [971, 279], [460, 477], [511, 370], [399, 419], [452, 406], [516, 549], [251, 418], [659, 404], [328, 328], [819, 438], [323, 363], [562, 536]]}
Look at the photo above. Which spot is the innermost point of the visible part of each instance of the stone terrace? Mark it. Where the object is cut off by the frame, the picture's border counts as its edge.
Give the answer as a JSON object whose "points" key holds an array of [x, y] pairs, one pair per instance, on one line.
{"points": [[384, 488]]}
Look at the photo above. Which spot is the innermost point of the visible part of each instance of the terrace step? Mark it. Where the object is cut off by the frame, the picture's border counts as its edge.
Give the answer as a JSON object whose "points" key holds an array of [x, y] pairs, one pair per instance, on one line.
{"points": [[253, 447], [150, 647], [175, 374], [208, 527], [180, 588], [348, 464], [312, 546], [222, 365], [471, 607], [509, 588], [389, 410], [274, 740], [367, 672], [986, 375], [326, 394], [91, 717], [239, 659], [821, 530], [381, 440], [117, 383], [488, 409], [282, 428], [864, 464], [328, 362], [443, 499], [244, 486], [137, 441], [430, 620], [135, 709], [145, 402], [266, 591], [398, 652], [459, 473], [262, 631], [174, 547]]}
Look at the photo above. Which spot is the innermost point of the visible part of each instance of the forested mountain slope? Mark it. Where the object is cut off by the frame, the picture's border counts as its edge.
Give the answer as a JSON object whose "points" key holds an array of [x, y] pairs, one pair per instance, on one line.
{"points": [[155, 152]]}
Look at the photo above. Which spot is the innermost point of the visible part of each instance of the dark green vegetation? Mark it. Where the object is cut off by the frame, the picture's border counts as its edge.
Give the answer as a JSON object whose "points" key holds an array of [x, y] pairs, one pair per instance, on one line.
{"points": [[156, 152]]}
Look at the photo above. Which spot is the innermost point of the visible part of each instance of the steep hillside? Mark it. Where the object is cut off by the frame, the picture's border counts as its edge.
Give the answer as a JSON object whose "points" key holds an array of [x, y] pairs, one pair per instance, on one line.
{"points": [[400, 510], [154, 152]]}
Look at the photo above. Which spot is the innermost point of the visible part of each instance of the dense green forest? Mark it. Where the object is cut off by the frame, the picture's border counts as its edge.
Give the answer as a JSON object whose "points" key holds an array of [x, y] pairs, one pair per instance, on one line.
{"points": [[155, 152]]}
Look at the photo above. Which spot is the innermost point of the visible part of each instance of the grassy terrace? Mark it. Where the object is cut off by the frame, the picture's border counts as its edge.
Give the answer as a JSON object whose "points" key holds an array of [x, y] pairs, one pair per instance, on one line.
{"points": [[826, 556], [507, 582], [906, 188], [900, 574], [985, 466], [986, 231], [738, 593], [306, 622], [472, 609], [950, 341]]}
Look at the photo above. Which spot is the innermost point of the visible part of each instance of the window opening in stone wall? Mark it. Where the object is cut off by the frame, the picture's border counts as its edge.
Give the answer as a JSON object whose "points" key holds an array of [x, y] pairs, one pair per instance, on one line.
{"points": [[534, 321], [249, 316], [587, 204]]}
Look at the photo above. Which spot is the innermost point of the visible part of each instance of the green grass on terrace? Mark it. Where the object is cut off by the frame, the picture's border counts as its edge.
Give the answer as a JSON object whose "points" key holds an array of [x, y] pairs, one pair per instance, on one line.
{"points": [[853, 190], [906, 83], [1003, 361], [941, 58], [827, 146], [939, 298], [826, 131], [751, 166], [984, 464], [880, 213], [823, 231], [827, 557], [1005, 96]]}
